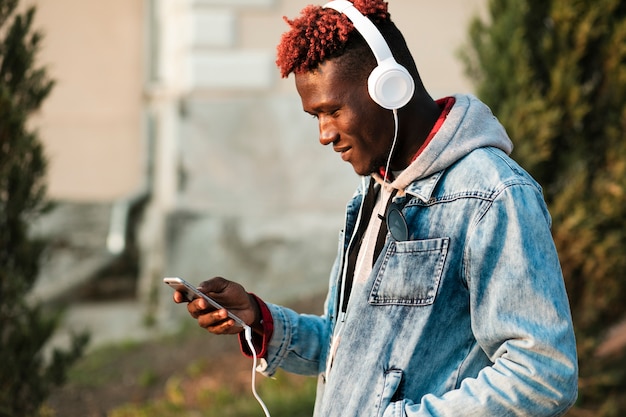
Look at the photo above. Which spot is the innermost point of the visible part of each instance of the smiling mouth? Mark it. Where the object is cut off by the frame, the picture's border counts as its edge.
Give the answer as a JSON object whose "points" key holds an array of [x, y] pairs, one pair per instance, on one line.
{"points": [[345, 153]]}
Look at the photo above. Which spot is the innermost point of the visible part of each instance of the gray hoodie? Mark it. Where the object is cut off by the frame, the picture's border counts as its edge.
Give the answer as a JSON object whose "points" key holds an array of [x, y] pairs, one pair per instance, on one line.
{"points": [[469, 125]]}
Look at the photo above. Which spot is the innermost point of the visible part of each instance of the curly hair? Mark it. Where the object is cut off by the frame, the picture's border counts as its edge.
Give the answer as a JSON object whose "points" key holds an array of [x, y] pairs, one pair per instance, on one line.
{"points": [[319, 34]]}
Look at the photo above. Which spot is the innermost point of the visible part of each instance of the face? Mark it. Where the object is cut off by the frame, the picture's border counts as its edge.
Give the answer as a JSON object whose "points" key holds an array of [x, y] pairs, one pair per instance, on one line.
{"points": [[349, 120]]}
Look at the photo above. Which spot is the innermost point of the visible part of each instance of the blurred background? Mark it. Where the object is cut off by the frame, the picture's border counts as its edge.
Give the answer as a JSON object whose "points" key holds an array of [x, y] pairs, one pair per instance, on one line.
{"points": [[175, 149]]}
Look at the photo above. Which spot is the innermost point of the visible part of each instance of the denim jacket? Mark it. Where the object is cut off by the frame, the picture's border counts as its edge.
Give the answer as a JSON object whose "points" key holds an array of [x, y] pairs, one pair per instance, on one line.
{"points": [[468, 317]]}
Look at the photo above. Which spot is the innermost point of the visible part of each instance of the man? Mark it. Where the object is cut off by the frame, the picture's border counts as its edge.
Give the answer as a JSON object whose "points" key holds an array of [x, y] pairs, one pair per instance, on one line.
{"points": [[446, 297]]}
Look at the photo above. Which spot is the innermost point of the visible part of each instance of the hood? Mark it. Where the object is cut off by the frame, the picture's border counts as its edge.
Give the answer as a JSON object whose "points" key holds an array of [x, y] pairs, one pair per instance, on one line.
{"points": [[469, 125]]}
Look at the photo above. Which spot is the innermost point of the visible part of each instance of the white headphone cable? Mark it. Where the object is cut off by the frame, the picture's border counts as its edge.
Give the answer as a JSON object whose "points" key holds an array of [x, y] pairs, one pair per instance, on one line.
{"points": [[248, 336], [393, 146]]}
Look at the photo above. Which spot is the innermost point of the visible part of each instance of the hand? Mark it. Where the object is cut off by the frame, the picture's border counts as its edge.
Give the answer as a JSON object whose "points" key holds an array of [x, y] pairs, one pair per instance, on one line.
{"points": [[228, 294]]}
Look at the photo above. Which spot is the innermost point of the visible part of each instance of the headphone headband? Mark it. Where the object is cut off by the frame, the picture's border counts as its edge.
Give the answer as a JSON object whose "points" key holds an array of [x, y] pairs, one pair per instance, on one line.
{"points": [[366, 28], [390, 84]]}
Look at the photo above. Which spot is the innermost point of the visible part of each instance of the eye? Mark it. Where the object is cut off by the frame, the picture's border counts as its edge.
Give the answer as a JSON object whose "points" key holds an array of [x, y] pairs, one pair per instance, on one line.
{"points": [[313, 115], [334, 113]]}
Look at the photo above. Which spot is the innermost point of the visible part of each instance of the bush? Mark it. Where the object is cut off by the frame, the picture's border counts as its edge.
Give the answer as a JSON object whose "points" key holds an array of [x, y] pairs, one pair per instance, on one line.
{"points": [[554, 72], [26, 377]]}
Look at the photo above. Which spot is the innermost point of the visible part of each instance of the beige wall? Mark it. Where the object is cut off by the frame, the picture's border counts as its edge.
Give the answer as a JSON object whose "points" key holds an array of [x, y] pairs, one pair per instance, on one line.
{"points": [[232, 193], [434, 30], [91, 123]]}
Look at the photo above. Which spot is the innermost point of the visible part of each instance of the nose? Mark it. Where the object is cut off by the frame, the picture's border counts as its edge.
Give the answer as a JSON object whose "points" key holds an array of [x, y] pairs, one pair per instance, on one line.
{"points": [[328, 133]]}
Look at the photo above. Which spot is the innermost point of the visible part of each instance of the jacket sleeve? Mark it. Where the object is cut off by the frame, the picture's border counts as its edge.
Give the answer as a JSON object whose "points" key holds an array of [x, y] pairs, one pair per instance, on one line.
{"points": [[520, 317], [298, 344]]}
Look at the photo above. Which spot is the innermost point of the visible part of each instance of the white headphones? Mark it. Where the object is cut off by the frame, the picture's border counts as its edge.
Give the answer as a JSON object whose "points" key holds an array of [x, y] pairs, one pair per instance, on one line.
{"points": [[390, 84]]}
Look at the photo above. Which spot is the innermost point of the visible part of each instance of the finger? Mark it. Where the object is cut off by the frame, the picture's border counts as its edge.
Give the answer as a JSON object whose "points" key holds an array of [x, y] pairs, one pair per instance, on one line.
{"points": [[215, 285], [198, 307], [179, 297], [224, 327], [218, 322]]}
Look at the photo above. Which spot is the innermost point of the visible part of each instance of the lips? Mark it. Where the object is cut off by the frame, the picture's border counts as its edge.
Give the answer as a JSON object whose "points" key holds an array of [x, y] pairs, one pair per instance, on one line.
{"points": [[345, 153]]}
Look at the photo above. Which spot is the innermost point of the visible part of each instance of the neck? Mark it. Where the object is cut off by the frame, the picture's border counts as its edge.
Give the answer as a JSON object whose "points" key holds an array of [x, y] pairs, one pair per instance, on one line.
{"points": [[416, 120]]}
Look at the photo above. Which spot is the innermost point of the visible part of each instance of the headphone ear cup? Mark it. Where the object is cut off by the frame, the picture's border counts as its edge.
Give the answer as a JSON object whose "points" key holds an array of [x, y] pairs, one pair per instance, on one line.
{"points": [[390, 85]]}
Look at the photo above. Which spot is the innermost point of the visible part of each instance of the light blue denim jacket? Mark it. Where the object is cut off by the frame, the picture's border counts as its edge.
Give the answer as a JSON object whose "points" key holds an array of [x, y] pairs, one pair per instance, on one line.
{"points": [[469, 317]]}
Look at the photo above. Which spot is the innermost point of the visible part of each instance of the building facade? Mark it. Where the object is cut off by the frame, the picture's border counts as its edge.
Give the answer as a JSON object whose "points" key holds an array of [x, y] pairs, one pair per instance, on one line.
{"points": [[171, 134]]}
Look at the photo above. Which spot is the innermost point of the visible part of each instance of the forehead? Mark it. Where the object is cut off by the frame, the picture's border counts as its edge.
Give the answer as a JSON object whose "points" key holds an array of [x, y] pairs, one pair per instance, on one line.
{"points": [[329, 75]]}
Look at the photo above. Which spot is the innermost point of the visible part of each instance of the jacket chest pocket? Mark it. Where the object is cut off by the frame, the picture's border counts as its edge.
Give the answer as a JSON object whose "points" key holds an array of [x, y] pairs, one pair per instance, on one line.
{"points": [[410, 273]]}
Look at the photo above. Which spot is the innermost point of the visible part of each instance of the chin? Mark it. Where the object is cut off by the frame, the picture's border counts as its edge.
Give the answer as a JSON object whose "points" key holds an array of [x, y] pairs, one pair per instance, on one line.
{"points": [[364, 169], [363, 172], [358, 170]]}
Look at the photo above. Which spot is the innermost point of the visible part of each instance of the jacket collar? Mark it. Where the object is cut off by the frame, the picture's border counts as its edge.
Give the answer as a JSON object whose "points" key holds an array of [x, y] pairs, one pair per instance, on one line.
{"points": [[424, 188]]}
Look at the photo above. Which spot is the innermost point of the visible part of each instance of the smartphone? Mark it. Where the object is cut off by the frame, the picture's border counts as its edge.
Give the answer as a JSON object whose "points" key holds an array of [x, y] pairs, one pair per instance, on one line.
{"points": [[191, 292]]}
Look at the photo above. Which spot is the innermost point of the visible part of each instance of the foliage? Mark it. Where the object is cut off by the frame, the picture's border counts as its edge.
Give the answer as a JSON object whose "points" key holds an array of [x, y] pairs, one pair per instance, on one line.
{"points": [[184, 373], [554, 73], [285, 396], [25, 375]]}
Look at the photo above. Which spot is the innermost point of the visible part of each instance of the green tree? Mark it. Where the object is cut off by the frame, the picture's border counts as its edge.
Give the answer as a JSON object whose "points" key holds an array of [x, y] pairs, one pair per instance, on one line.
{"points": [[554, 72], [26, 376]]}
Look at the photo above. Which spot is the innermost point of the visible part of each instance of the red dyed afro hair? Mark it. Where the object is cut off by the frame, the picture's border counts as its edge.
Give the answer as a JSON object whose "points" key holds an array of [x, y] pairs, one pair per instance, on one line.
{"points": [[318, 34]]}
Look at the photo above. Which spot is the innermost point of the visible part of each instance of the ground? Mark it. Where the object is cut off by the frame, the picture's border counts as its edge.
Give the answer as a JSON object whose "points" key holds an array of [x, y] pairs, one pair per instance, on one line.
{"points": [[141, 371]]}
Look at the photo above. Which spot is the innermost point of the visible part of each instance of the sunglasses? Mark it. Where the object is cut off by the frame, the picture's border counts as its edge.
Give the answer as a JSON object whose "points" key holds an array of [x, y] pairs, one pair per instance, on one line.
{"points": [[396, 223]]}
